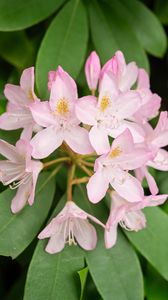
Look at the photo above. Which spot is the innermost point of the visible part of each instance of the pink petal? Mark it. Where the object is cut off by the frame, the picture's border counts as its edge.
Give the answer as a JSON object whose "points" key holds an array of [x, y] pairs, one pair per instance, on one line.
{"points": [[143, 79], [85, 234], [21, 197], [129, 78], [135, 129], [9, 151], [92, 70], [45, 142], [151, 182], [86, 110], [111, 236], [63, 87], [27, 83], [77, 139], [161, 160], [42, 114], [127, 186], [51, 78], [56, 242], [37, 167], [99, 140], [50, 229], [127, 104], [15, 120], [15, 95], [97, 187], [124, 141]]}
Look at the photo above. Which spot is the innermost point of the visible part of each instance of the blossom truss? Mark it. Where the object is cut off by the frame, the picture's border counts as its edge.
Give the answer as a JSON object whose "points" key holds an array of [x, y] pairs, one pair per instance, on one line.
{"points": [[106, 134]]}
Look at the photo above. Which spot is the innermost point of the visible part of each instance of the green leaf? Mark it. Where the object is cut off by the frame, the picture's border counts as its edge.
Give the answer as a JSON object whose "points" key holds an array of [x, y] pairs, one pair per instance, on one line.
{"points": [[64, 44], [155, 286], [19, 14], [152, 241], [12, 47], [161, 9], [83, 277], [18, 230], [116, 272], [54, 276], [111, 32], [147, 27]]}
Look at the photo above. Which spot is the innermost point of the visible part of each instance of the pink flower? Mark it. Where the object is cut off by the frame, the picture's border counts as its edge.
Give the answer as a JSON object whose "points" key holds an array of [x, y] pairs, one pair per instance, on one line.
{"points": [[128, 215], [112, 168], [155, 140], [150, 104], [18, 114], [19, 171], [124, 75], [92, 70], [70, 226], [58, 116], [51, 78], [108, 116]]}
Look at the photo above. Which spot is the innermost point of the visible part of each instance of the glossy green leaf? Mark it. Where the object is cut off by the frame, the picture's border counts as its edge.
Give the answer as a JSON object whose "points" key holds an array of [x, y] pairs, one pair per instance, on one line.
{"points": [[152, 242], [161, 9], [64, 44], [18, 230], [54, 276], [83, 277], [155, 286], [146, 26], [19, 14], [113, 33], [12, 47], [116, 272]]}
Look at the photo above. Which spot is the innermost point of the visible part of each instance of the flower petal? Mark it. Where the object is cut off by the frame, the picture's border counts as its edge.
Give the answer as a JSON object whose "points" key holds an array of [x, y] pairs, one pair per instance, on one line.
{"points": [[45, 142], [97, 186], [92, 70], [9, 151], [20, 199], [86, 110], [57, 240], [15, 95], [110, 236], [160, 162], [129, 78], [36, 168], [99, 140], [77, 139], [126, 185], [42, 114], [85, 234]]}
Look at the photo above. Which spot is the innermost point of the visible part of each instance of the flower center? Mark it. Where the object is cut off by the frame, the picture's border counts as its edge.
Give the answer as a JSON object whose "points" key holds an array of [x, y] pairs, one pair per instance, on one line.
{"points": [[115, 152], [71, 239], [62, 106], [105, 102]]}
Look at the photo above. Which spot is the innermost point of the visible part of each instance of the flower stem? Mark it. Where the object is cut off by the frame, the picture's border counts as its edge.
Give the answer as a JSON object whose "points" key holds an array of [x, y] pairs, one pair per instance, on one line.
{"points": [[85, 169], [56, 161], [88, 164], [80, 180], [71, 173], [93, 92]]}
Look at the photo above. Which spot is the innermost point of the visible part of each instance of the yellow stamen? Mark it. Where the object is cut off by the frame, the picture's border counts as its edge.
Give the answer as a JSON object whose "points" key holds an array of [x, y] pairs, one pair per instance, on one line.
{"points": [[62, 106], [105, 102], [30, 95], [115, 152]]}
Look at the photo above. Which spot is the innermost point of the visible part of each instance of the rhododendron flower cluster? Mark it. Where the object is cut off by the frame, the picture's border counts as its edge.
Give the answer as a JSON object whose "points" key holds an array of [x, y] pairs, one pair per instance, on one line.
{"points": [[107, 134]]}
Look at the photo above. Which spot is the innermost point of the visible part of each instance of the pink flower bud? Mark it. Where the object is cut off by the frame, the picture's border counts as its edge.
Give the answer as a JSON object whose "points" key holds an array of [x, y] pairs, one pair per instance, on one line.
{"points": [[92, 70], [51, 78]]}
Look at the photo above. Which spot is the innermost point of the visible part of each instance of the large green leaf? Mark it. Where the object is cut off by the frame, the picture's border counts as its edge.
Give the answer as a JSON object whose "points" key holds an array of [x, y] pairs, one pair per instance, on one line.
{"points": [[64, 44], [12, 47], [19, 14], [18, 230], [147, 27], [116, 272], [54, 276], [161, 9], [152, 242], [111, 32], [156, 287]]}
